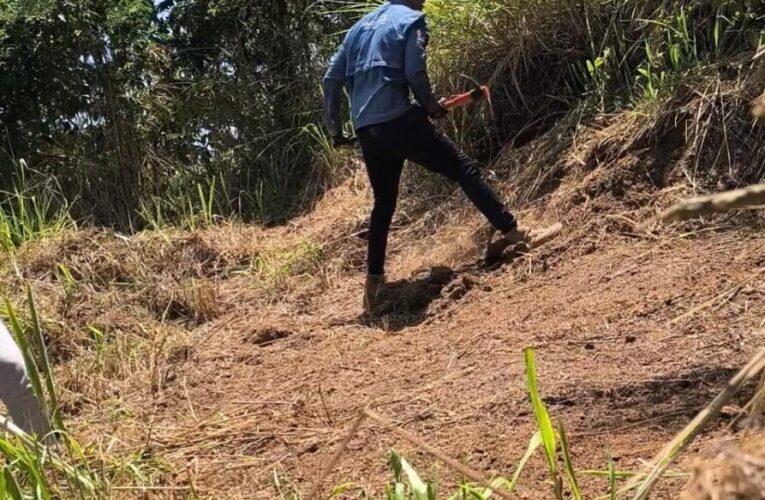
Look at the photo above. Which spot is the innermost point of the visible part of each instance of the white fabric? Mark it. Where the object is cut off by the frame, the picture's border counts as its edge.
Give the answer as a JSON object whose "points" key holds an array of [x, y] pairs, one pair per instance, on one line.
{"points": [[16, 389]]}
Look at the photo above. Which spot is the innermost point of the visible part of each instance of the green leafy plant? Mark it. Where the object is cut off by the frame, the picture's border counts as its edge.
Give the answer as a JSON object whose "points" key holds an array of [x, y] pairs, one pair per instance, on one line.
{"points": [[546, 430], [415, 489]]}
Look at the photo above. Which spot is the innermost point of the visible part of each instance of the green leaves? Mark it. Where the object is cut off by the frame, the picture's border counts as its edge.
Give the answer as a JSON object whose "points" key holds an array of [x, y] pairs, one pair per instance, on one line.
{"points": [[568, 464], [418, 489], [611, 476], [543, 421], [26, 214], [534, 443]]}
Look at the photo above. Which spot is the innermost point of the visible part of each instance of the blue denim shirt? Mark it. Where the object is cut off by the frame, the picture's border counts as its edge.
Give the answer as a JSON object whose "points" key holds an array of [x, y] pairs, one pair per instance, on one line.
{"points": [[382, 57]]}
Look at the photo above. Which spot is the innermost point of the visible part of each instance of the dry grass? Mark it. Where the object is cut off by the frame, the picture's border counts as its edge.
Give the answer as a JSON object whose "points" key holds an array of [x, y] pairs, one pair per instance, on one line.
{"points": [[738, 473], [127, 317], [701, 136]]}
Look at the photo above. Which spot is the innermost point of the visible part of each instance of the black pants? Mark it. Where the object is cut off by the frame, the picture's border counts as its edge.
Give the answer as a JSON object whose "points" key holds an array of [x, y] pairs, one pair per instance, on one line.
{"points": [[413, 137]]}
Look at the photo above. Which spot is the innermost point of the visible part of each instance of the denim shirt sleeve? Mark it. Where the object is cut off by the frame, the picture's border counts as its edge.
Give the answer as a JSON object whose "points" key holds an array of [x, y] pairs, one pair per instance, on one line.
{"points": [[416, 69], [333, 83]]}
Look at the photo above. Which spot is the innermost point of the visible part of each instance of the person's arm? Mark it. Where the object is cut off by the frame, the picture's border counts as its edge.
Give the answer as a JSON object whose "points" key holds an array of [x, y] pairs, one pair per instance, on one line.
{"points": [[416, 70], [334, 81]]}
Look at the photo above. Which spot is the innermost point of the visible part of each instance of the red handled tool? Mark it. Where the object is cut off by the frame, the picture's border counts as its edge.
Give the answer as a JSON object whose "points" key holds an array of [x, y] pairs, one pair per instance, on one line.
{"points": [[478, 93]]}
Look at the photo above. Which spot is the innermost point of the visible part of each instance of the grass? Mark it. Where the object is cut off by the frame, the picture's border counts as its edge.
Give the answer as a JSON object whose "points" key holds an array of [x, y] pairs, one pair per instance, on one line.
{"points": [[32, 468], [203, 206], [407, 484], [31, 212], [273, 267], [546, 59], [29, 471], [276, 266], [552, 65], [552, 440], [58, 466]]}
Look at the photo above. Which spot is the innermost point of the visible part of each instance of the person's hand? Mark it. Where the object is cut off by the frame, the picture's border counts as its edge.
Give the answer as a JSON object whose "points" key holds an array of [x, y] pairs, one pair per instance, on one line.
{"points": [[441, 110], [339, 141]]}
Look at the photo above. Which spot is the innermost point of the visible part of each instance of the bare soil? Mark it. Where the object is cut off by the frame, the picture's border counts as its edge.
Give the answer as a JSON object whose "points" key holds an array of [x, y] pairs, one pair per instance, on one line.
{"points": [[256, 359], [633, 336]]}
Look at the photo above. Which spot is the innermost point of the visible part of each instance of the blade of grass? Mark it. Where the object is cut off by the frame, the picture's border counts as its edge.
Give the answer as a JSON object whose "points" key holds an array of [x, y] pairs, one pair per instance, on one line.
{"points": [[47, 371], [13, 490], [416, 484], [623, 474], [544, 422], [495, 485], [534, 443], [81, 478], [671, 451], [568, 464], [611, 475]]}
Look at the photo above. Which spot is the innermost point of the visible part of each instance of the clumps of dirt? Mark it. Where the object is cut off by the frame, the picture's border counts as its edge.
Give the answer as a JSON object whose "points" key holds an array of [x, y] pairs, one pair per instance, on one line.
{"points": [[412, 296], [735, 474], [267, 336], [411, 301], [458, 288]]}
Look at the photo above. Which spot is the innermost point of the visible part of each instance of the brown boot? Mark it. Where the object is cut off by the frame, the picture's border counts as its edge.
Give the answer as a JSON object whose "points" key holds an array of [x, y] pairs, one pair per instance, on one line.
{"points": [[374, 285], [529, 238]]}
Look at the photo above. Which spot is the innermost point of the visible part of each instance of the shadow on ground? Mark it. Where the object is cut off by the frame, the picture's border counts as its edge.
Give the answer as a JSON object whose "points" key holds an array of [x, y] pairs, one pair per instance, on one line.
{"points": [[406, 302], [668, 401]]}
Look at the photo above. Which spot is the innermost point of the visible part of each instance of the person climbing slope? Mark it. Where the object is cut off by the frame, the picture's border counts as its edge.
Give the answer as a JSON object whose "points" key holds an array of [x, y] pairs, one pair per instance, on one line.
{"points": [[382, 58], [16, 388]]}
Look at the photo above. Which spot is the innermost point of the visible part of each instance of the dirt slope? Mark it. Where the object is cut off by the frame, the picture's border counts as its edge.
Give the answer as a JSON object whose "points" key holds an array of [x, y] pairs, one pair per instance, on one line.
{"points": [[632, 340], [633, 336], [255, 359]]}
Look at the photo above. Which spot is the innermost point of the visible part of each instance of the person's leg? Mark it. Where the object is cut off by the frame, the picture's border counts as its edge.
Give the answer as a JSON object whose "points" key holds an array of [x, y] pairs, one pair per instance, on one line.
{"points": [[428, 147], [419, 141], [16, 388], [384, 176], [384, 171]]}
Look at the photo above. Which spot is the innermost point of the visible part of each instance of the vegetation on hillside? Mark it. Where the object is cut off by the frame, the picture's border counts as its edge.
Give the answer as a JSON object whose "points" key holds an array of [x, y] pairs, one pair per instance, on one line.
{"points": [[140, 114]]}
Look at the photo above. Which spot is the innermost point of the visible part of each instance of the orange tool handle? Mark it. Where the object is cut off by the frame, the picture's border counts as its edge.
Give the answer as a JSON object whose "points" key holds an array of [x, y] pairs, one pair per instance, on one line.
{"points": [[461, 100]]}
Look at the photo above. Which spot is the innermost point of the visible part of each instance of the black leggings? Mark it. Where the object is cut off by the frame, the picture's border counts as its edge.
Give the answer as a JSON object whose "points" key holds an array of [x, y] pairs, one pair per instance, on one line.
{"points": [[413, 137]]}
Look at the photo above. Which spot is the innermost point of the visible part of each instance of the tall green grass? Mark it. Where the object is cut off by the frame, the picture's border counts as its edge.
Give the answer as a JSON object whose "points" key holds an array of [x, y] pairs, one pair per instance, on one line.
{"points": [[31, 212], [55, 466], [203, 206], [545, 59]]}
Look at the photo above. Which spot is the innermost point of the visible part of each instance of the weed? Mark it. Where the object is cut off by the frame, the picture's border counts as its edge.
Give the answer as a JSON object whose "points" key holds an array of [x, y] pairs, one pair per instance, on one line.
{"points": [[568, 464], [611, 476], [209, 203], [544, 422], [546, 436], [31, 212], [417, 489], [274, 267]]}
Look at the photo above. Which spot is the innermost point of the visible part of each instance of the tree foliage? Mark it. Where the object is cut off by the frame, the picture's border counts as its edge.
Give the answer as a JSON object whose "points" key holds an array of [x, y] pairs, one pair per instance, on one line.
{"points": [[134, 100]]}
